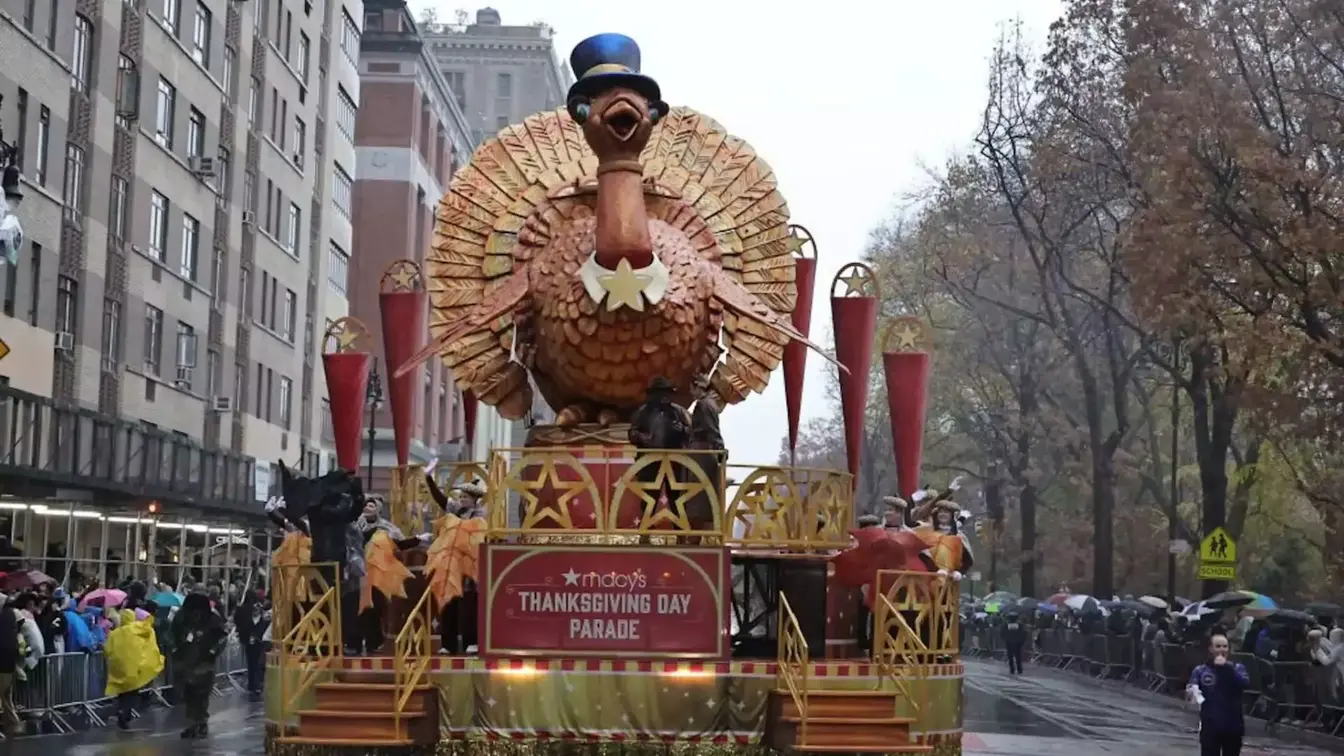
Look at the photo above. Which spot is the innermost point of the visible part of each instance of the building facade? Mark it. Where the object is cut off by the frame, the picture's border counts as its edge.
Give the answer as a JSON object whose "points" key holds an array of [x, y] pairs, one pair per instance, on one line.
{"points": [[500, 75], [188, 176]]}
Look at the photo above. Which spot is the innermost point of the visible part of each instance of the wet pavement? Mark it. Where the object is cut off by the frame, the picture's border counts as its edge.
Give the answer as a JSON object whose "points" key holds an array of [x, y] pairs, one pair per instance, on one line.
{"points": [[1041, 713]]}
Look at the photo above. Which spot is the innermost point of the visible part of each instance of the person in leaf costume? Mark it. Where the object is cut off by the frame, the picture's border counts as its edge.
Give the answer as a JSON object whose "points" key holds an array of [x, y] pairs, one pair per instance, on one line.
{"points": [[452, 565], [199, 635], [937, 517], [385, 575]]}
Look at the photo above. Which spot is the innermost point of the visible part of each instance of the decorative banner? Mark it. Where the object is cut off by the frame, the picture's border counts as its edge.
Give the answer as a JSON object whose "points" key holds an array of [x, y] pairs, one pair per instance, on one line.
{"points": [[795, 352], [626, 601], [905, 361], [469, 405], [401, 301], [854, 319], [347, 369]]}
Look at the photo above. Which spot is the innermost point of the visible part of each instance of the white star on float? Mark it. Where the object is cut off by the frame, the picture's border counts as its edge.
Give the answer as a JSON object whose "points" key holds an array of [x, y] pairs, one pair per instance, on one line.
{"points": [[711, 703], [571, 577], [491, 702]]}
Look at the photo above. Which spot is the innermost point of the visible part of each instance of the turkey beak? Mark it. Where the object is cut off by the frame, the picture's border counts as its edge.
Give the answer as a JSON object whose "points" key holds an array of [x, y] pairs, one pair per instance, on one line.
{"points": [[623, 117]]}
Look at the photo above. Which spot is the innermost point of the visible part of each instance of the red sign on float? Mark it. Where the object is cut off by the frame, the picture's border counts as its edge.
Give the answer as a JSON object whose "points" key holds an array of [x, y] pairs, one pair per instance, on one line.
{"points": [[611, 601]]}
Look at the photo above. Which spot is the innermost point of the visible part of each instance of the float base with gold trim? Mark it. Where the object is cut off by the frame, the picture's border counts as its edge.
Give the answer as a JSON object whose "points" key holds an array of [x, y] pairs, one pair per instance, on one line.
{"points": [[550, 707]]}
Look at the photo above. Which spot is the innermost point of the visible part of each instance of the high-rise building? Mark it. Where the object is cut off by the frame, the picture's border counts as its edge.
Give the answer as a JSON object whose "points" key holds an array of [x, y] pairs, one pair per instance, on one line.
{"points": [[501, 75], [188, 177], [410, 137]]}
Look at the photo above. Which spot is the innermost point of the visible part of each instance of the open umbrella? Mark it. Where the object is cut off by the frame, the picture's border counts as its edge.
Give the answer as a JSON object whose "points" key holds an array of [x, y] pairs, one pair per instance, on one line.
{"points": [[1058, 598], [1028, 603], [166, 599], [1260, 604], [1324, 609], [1229, 600], [25, 580], [1082, 603], [1004, 597], [1155, 602], [1290, 617], [104, 597]]}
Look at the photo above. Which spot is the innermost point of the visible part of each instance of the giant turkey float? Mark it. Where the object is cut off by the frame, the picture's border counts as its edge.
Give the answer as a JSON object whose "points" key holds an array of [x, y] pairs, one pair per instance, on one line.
{"points": [[622, 586]]}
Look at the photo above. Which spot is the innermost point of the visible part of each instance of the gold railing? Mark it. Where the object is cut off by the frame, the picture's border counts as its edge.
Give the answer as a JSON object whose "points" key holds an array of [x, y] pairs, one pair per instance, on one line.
{"points": [[413, 653], [793, 666], [615, 493], [927, 604], [310, 646], [895, 654]]}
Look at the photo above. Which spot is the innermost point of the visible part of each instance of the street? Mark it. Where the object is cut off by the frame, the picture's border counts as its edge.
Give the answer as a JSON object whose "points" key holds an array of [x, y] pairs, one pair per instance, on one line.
{"points": [[1041, 713]]}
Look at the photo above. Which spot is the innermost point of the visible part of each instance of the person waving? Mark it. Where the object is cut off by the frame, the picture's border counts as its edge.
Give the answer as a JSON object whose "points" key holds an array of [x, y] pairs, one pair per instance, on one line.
{"points": [[1216, 686]]}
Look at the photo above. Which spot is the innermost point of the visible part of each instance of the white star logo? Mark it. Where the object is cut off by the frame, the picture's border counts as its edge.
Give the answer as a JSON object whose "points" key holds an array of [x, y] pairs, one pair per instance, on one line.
{"points": [[571, 577]]}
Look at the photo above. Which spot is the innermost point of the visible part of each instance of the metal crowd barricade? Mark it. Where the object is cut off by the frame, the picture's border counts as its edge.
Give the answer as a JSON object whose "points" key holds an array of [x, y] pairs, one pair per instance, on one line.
{"points": [[1298, 691], [65, 692]]}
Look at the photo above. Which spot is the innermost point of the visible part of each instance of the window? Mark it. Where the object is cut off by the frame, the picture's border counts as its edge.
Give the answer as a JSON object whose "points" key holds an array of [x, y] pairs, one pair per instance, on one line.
{"points": [[349, 36], [67, 304], [21, 141], [230, 57], [81, 62], [153, 338], [116, 208], [504, 85], [295, 223], [172, 15], [261, 383], [302, 63], [249, 190], [457, 82], [501, 122], [128, 91], [111, 331], [43, 144], [186, 345], [252, 102], [29, 14], [245, 292], [158, 225], [286, 391], [300, 140], [51, 27], [163, 126], [212, 372], [291, 314], [288, 33], [338, 268], [195, 133], [200, 36], [345, 113], [191, 244], [340, 189], [217, 273], [73, 192], [35, 284]]}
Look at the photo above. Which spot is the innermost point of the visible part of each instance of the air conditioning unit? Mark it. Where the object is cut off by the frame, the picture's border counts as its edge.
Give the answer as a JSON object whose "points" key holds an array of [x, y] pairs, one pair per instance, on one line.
{"points": [[65, 341], [202, 166], [249, 218], [183, 375], [221, 404]]}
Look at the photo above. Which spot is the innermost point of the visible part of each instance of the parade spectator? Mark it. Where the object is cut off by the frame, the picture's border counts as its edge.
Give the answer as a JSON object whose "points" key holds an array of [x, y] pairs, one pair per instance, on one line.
{"points": [[1014, 639], [133, 661], [199, 636], [10, 658], [250, 622], [1216, 687]]}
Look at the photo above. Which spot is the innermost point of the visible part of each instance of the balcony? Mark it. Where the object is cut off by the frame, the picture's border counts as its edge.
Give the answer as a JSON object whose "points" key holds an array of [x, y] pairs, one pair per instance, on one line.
{"points": [[47, 444]]}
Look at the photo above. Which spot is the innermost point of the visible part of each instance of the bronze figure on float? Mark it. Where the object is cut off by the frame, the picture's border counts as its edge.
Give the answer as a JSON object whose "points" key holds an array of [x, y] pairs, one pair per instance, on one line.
{"points": [[601, 246]]}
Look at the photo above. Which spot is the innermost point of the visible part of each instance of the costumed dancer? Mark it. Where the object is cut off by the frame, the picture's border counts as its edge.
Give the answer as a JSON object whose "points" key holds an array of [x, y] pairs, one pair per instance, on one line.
{"points": [[658, 425], [385, 575], [451, 566], [706, 443], [296, 548], [199, 635], [895, 513], [937, 517]]}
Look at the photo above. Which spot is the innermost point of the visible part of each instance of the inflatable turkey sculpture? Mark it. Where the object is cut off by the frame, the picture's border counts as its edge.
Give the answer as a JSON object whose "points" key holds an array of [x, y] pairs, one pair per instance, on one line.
{"points": [[606, 244]]}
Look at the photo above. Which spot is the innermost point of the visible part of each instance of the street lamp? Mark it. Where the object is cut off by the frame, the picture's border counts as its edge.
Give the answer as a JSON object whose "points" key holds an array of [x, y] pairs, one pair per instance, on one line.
{"points": [[373, 398]]}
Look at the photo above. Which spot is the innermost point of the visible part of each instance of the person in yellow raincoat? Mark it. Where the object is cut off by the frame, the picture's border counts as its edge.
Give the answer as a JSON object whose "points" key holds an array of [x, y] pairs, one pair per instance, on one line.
{"points": [[133, 661]]}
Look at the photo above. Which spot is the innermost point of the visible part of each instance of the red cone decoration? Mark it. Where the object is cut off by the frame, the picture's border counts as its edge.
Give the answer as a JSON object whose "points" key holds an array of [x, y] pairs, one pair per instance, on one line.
{"points": [[347, 370], [795, 352], [401, 301], [854, 298], [905, 361], [469, 405]]}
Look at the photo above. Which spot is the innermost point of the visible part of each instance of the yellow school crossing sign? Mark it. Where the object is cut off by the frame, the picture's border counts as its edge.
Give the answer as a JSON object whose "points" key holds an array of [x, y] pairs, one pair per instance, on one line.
{"points": [[1218, 556]]}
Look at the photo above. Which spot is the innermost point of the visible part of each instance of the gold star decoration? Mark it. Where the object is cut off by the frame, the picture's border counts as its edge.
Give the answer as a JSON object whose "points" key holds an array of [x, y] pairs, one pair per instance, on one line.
{"points": [[624, 287], [345, 339], [906, 337], [550, 486], [680, 492], [858, 282], [403, 277], [796, 243]]}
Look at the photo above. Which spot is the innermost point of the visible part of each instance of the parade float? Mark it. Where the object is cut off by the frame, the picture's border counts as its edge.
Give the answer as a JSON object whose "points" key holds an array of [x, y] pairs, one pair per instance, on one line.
{"points": [[636, 590]]}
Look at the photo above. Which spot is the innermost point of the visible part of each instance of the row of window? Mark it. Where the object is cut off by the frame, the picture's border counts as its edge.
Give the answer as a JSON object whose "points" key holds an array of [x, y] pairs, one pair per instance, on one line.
{"points": [[72, 192], [201, 28]]}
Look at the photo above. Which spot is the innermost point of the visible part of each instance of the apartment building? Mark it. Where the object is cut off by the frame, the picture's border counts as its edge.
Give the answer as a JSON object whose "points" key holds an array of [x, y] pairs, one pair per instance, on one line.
{"points": [[188, 178]]}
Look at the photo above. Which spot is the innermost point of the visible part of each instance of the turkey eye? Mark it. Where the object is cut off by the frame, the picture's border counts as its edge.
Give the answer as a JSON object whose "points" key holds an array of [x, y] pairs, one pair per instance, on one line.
{"points": [[583, 110]]}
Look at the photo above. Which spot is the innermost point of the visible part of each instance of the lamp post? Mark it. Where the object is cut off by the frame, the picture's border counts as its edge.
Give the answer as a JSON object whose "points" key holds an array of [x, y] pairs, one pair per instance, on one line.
{"points": [[373, 398], [1175, 469]]}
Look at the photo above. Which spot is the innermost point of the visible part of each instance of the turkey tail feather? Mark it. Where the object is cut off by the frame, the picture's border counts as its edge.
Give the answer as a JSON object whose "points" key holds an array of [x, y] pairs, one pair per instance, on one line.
{"points": [[498, 303], [735, 297]]}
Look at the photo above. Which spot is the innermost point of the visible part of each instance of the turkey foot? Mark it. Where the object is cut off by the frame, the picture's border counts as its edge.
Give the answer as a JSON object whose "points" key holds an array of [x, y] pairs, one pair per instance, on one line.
{"points": [[574, 414], [608, 417]]}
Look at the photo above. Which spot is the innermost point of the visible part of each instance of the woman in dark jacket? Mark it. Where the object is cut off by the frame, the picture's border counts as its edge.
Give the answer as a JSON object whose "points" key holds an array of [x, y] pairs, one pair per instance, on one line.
{"points": [[1217, 686], [9, 663]]}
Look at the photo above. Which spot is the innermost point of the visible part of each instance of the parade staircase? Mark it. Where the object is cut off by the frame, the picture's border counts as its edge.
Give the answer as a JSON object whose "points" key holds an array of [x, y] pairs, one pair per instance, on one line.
{"points": [[810, 720], [377, 709]]}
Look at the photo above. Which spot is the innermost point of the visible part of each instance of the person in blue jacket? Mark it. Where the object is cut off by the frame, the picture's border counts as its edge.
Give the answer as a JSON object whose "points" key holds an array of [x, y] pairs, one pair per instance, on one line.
{"points": [[1217, 686]]}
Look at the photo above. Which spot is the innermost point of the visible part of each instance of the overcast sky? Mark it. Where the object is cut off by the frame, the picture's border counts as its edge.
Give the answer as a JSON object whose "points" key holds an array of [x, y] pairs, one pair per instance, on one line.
{"points": [[849, 102]]}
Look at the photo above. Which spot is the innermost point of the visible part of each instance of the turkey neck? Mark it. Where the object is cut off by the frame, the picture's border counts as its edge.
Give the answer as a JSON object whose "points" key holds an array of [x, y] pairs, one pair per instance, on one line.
{"points": [[622, 223]]}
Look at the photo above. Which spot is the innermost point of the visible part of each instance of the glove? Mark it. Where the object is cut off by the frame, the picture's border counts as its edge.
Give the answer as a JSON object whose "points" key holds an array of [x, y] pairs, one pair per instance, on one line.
{"points": [[274, 503], [425, 537], [956, 575], [429, 468]]}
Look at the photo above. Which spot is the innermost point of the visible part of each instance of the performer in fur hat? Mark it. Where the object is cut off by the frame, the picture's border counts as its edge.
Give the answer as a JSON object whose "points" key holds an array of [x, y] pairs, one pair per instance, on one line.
{"points": [[937, 516]]}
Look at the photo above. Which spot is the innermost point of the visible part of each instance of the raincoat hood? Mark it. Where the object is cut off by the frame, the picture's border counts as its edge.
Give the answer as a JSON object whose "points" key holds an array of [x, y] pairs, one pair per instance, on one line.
{"points": [[132, 653]]}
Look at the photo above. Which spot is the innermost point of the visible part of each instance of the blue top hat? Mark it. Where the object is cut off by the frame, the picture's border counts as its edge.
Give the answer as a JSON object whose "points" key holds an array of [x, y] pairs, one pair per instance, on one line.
{"points": [[604, 61]]}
